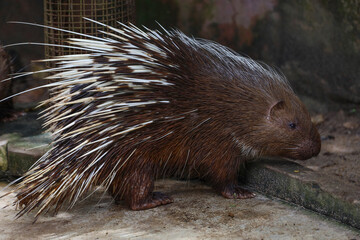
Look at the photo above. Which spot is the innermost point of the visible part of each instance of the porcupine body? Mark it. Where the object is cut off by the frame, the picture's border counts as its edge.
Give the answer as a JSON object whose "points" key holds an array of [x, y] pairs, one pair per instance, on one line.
{"points": [[144, 104]]}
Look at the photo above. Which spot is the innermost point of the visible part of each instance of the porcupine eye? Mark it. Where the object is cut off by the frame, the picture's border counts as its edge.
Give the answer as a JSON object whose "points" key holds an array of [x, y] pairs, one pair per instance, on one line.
{"points": [[292, 125]]}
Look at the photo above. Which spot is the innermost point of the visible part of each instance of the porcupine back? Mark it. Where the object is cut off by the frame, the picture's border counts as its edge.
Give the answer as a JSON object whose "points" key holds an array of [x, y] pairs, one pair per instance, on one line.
{"points": [[145, 100]]}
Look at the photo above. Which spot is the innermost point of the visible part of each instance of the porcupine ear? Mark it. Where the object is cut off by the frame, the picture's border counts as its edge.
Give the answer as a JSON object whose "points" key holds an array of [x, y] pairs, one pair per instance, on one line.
{"points": [[279, 105]]}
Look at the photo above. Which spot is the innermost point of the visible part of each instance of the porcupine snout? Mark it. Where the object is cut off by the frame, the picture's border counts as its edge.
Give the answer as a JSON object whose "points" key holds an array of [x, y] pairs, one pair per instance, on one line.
{"points": [[310, 147]]}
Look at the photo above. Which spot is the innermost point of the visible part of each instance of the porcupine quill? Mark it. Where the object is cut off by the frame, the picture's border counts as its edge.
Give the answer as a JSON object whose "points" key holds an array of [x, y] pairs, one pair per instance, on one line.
{"points": [[143, 104]]}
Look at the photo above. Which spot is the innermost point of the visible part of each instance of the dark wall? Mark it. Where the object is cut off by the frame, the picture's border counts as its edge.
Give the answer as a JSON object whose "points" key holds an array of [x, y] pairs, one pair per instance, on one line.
{"points": [[316, 43], [27, 11], [21, 56]]}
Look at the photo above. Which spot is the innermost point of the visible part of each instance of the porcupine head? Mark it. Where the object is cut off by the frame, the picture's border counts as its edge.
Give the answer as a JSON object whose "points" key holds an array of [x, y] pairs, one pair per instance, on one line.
{"points": [[145, 104]]}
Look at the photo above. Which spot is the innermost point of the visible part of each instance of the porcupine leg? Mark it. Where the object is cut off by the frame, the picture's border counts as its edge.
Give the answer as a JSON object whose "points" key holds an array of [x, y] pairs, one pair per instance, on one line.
{"points": [[138, 191], [226, 182], [141, 195]]}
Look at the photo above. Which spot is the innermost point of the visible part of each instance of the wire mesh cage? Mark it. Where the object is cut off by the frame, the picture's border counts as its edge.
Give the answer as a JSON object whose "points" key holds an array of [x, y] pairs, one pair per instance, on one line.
{"points": [[69, 15]]}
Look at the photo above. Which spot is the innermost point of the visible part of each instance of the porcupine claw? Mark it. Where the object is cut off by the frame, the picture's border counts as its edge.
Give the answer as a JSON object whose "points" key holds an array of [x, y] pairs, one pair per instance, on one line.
{"points": [[237, 193], [156, 199]]}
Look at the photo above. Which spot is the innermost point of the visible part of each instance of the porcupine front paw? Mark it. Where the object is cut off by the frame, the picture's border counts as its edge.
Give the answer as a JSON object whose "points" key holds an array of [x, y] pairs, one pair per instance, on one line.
{"points": [[156, 199], [237, 193]]}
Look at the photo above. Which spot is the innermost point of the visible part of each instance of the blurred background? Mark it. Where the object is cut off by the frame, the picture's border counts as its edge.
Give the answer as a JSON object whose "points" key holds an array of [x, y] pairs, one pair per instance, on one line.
{"points": [[315, 43]]}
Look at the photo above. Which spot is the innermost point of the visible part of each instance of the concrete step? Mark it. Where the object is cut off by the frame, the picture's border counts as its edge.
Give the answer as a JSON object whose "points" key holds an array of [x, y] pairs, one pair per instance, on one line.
{"points": [[198, 212], [294, 183]]}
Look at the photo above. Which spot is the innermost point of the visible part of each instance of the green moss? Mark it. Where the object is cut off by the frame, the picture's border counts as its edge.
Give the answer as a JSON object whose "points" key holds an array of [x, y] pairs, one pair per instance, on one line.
{"points": [[3, 156], [10, 137], [22, 153]]}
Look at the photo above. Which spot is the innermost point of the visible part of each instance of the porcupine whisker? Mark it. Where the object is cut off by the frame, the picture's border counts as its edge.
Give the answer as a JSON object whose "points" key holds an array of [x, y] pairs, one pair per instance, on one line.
{"points": [[58, 29], [106, 183], [40, 159], [49, 44], [69, 57], [30, 73], [96, 160], [129, 29], [174, 119], [99, 140], [109, 179], [184, 113], [34, 191], [115, 169], [112, 35], [165, 31], [164, 167], [75, 132], [46, 85], [122, 164], [112, 28], [84, 186], [64, 185], [201, 123], [100, 199], [135, 127], [187, 158], [19, 71], [39, 146], [9, 185], [95, 149], [157, 139]]}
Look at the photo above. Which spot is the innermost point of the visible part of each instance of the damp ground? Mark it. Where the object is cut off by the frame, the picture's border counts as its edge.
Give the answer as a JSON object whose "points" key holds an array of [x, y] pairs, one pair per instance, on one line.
{"points": [[340, 151], [197, 213]]}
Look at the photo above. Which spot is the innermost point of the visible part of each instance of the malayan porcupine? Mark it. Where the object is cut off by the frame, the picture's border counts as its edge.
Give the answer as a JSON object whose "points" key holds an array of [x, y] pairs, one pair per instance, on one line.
{"points": [[143, 104]]}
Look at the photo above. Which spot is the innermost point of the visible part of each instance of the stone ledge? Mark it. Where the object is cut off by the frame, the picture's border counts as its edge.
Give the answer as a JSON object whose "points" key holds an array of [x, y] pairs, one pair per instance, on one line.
{"points": [[294, 183], [3, 155], [18, 154]]}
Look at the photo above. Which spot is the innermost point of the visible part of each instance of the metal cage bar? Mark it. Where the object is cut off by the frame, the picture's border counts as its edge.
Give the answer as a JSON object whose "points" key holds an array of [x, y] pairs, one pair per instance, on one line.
{"points": [[68, 14]]}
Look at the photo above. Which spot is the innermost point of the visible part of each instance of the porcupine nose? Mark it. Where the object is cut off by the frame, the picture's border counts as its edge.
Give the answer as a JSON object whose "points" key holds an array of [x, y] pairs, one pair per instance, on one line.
{"points": [[309, 148]]}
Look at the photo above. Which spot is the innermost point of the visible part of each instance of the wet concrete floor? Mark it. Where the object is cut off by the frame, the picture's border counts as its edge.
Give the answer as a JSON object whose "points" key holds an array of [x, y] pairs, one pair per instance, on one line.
{"points": [[197, 213]]}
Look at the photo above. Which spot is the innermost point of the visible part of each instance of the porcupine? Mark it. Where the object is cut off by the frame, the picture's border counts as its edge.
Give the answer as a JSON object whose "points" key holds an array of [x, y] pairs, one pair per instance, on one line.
{"points": [[144, 104]]}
